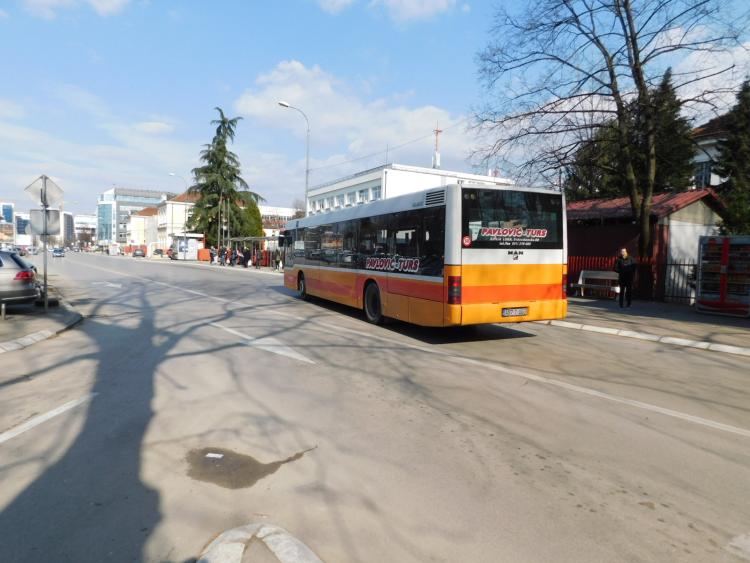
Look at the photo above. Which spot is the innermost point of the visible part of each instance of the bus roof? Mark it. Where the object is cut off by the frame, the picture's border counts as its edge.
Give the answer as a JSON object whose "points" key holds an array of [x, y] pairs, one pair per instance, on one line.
{"points": [[414, 200]]}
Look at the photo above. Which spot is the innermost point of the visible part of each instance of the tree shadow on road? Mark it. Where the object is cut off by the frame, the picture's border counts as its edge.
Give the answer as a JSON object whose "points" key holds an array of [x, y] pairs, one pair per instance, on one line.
{"points": [[91, 504]]}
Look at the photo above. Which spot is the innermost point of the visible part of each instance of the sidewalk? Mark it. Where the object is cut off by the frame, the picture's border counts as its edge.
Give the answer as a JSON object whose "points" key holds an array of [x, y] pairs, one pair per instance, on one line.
{"points": [[664, 320], [25, 325]]}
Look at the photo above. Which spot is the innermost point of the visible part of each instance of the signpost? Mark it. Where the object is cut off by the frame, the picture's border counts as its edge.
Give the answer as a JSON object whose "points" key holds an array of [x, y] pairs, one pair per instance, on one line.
{"points": [[47, 194]]}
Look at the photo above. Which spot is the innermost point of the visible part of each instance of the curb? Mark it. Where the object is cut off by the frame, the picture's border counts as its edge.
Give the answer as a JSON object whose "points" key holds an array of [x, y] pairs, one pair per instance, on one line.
{"points": [[230, 546], [40, 335], [673, 340]]}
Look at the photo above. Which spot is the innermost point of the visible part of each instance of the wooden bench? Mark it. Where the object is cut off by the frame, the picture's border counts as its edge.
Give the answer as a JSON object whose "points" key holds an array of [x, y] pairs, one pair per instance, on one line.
{"points": [[587, 280]]}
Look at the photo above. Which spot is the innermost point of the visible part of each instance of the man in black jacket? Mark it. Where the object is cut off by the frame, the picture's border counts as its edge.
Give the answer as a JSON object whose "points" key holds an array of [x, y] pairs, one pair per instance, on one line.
{"points": [[625, 268]]}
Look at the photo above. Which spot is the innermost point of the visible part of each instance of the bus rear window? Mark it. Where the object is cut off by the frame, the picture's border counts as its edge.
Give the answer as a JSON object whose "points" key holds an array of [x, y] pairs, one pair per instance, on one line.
{"points": [[511, 219]]}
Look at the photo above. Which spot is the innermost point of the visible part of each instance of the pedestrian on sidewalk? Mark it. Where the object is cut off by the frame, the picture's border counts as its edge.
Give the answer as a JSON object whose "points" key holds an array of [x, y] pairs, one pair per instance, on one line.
{"points": [[222, 256], [276, 260], [625, 268]]}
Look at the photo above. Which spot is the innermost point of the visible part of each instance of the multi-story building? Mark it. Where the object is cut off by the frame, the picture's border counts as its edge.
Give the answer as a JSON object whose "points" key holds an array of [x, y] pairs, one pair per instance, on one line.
{"points": [[7, 224], [116, 205], [85, 229], [23, 230], [385, 181], [67, 229], [171, 219], [142, 229], [706, 138]]}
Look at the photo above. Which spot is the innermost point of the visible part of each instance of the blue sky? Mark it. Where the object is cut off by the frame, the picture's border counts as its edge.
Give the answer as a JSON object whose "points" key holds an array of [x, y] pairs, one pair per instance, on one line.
{"points": [[102, 93], [98, 93]]}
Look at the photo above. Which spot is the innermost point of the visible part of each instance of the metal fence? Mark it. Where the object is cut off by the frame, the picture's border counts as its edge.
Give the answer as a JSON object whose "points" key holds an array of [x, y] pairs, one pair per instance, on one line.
{"points": [[673, 282], [679, 282]]}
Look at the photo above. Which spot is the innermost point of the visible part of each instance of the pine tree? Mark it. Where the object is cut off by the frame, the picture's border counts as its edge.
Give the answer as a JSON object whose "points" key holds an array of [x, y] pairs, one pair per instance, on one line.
{"points": [[222, 190], [734, 165], [674, 147], [598, 169]]}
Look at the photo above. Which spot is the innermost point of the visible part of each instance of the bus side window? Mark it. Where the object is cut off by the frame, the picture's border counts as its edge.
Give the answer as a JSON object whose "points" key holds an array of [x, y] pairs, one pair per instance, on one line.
{"points": [[348, 252], [288, 256]]}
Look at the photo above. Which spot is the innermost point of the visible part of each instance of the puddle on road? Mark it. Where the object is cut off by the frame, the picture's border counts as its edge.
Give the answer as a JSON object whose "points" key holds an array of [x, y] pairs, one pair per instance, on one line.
{"points": [[232, 470]]}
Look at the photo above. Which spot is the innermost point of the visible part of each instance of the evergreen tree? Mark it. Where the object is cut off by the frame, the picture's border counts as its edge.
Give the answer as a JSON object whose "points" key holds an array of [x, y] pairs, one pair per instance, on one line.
{"points": [[734, 165], [598, 169], [674, 146], [222, 190]]}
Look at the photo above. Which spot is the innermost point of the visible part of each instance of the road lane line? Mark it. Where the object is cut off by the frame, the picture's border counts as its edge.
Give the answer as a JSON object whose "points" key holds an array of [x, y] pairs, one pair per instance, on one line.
{"points": [[533, 377], [266, 343], [561, 384], [42, 418]]}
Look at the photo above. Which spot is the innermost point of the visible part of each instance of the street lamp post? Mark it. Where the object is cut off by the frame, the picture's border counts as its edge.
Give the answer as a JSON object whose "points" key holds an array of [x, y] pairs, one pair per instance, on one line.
{"points": [[307, 149]]}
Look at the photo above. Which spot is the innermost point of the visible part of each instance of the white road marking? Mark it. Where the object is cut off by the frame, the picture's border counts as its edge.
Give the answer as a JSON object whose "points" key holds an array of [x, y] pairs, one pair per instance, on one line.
{"points": [[266, 343], [214, 456], [37, 420], [108, 284], [562, 384], [230, 546], [533, 377]]}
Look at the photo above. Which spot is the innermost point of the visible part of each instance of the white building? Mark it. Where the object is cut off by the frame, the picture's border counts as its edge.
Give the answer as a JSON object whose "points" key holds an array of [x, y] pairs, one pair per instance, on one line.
{"points": [[389, 180], [141, 229], [707, 137], [116, 205], [171, 219], [84, 227]]}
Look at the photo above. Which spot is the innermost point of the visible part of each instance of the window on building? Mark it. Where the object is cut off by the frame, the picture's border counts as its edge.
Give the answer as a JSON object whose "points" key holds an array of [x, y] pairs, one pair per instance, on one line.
{"points": [[703, 174], [363, 196], [351, 198], [376, 193], [340, 200], [329, 202]]}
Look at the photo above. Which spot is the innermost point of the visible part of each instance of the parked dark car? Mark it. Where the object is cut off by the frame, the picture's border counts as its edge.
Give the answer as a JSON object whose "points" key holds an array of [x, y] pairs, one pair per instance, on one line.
{"points": [[138, 253], [17, 279], [158, 252]]}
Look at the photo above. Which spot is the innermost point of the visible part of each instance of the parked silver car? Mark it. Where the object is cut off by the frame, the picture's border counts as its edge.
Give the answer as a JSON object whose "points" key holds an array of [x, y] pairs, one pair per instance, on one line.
{"points": [[17, 279]]}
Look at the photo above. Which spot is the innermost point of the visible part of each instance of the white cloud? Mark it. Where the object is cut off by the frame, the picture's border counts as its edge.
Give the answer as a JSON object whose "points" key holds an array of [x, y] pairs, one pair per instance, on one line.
{"points": [[11, 110], [407, 10], [334, 6], [465, 8], [706, 64], [345, 125], [48, 8], [3, 14], [153, 127]]}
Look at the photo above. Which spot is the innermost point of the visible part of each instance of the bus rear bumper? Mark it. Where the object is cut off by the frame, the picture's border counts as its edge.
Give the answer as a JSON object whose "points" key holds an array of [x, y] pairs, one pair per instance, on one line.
{"points": [[485, 313]]}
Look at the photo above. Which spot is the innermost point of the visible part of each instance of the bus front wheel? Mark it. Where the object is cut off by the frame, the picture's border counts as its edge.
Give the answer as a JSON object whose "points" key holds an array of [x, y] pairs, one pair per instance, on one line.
{"points": [[373, 308], [301, 287]]}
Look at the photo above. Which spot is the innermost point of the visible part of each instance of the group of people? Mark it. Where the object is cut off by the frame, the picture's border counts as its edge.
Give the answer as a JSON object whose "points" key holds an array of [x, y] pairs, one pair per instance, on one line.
{"points": [[228, 256]]}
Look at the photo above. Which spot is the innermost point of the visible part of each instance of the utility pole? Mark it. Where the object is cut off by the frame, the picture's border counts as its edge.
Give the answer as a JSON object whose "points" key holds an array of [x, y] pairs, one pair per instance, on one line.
{"points": [[436, 157]]}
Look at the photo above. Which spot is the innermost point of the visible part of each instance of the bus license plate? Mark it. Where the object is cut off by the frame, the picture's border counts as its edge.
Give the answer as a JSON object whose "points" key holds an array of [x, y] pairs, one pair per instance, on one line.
{"points": [[517, 312]]}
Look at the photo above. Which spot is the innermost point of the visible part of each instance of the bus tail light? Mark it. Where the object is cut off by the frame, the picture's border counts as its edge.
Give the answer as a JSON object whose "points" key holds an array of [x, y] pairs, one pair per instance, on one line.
{"points": [[454, 290], [565, 286]]}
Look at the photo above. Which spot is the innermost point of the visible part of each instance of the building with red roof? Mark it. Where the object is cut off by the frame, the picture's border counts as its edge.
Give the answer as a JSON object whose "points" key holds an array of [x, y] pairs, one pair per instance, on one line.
{"points": [[598, 228]]}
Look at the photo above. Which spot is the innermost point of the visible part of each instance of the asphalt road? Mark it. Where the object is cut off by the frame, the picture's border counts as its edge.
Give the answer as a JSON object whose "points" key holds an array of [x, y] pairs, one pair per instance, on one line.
{"points": [[395, 443]]}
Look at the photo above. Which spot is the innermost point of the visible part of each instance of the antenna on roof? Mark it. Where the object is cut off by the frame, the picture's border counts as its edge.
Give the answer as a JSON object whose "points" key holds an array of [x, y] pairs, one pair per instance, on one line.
{"points": [[436, 156]]}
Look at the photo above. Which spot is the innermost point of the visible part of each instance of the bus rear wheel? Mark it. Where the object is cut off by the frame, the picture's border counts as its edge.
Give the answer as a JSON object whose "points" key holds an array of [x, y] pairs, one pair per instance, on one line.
{"points": [[301, 287], [373, 308]]}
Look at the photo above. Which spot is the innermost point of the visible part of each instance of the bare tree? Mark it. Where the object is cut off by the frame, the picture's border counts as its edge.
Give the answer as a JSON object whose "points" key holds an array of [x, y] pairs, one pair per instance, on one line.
{"points": [[565, 68]]}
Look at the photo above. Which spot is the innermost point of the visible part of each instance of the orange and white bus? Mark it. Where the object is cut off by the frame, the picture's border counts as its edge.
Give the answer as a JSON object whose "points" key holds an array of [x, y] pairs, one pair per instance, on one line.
{"points": [[456, 255]]}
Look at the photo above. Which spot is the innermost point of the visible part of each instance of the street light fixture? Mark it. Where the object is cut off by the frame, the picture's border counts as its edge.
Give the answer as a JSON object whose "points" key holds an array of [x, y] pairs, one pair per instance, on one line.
{"points": [[284, 104]]}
